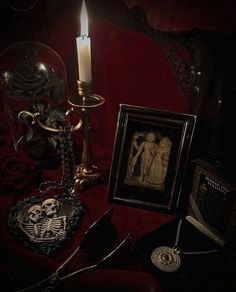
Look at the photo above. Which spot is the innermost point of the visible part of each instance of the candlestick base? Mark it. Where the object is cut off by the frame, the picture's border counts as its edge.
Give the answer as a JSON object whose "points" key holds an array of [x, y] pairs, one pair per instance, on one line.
{"points": [[86, 177]]}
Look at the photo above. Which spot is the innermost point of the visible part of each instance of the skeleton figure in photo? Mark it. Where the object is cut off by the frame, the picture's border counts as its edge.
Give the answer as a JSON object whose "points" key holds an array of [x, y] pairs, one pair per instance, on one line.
{"points": [[33, 226], [53, 227], [133, 150], [44, 224], [153, 154], [147, 150], [158, 169]]}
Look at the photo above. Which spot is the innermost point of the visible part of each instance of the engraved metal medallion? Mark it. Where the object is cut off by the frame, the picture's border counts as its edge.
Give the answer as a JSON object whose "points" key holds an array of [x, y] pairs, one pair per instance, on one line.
{"points": [[166, 259], [45, 224]]}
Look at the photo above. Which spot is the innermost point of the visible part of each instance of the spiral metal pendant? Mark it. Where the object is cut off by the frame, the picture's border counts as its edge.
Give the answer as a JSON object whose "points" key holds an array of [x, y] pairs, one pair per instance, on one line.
{"points": [[166, 259]]}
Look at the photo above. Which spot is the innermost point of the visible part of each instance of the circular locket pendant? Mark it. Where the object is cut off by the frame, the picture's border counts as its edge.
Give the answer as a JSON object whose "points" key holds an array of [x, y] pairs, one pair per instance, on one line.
{"points": [[166, 259]]}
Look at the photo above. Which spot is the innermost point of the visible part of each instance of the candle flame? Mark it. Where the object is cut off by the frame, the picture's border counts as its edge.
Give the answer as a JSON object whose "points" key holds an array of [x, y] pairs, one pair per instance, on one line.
{"points": [[83, 20]]}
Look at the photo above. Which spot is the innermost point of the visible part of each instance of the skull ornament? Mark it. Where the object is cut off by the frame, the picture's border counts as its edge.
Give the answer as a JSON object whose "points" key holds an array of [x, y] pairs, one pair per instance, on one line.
{"points": [[35, 213], [50, 207]]}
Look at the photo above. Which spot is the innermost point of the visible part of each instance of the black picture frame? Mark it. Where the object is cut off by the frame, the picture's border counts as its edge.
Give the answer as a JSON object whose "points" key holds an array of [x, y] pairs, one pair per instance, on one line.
{"points": [[135, 181]]}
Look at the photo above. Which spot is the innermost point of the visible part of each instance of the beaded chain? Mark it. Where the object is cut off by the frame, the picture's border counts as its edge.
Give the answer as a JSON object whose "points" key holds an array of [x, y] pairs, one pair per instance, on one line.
{"points": [[67, 154]]}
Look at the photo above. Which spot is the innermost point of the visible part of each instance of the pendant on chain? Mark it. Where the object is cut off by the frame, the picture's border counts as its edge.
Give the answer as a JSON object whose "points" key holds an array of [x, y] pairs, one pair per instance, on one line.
{"points": [[44, 225], [166, 259]]}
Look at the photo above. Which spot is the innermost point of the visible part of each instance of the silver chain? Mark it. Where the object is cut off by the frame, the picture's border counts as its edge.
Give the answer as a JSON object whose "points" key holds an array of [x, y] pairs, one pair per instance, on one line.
{"points": [[189, 252]]}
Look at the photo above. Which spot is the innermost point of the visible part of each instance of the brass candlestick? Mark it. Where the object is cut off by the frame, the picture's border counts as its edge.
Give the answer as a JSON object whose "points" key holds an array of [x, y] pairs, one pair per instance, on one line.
{"points": [[86, 173]]}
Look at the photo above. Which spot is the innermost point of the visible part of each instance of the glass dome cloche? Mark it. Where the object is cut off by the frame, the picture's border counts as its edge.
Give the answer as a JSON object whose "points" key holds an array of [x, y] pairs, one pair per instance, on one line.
{"points": [[33, 78]]}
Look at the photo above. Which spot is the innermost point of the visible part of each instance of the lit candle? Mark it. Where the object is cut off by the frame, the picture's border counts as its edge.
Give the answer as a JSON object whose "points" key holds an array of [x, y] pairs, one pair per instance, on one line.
{"points": [[84, 48]]}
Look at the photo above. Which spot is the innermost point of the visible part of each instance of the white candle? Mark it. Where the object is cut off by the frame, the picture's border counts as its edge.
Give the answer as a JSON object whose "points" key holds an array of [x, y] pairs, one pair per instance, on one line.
{"points": [[83, 44]]}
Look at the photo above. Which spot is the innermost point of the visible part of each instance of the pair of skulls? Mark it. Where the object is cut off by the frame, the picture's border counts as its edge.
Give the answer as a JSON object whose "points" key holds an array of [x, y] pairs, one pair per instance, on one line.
{"points": [[49, 207]]}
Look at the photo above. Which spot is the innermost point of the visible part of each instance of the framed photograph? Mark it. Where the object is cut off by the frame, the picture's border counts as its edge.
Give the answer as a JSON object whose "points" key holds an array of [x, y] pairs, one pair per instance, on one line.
{"points": [[150, 156], [212, 206]]}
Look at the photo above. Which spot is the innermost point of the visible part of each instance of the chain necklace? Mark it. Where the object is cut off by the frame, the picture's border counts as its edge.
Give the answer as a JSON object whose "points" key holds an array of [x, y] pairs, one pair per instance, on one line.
{"points": [[167, 259], [45, 224], [67, 154]]}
